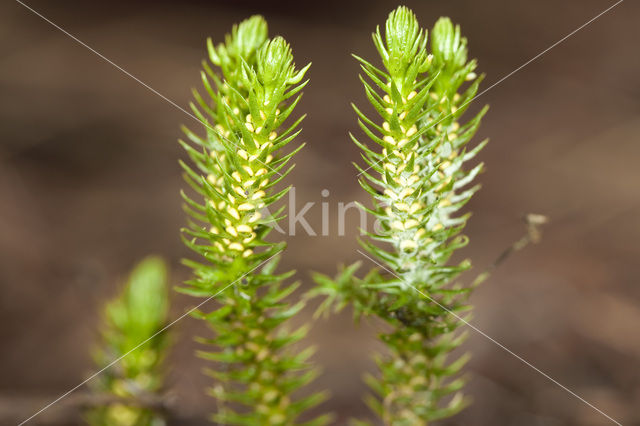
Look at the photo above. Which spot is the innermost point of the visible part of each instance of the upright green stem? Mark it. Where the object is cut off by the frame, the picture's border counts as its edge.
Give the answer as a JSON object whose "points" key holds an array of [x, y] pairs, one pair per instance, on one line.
{"points": [[234, 170], [418, 181]]}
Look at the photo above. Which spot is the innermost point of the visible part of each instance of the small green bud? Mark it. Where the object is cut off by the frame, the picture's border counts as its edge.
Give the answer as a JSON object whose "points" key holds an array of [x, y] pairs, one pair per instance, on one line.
{"points": [[147, 294], [143, 306], [403, 35], [405, 45], [448, 46], [274, 60], [249, 35], [241, 45]]}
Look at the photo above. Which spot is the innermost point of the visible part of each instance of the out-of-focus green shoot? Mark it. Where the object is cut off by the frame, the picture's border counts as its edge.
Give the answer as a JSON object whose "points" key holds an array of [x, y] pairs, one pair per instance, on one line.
{"points": [[131, 330]]}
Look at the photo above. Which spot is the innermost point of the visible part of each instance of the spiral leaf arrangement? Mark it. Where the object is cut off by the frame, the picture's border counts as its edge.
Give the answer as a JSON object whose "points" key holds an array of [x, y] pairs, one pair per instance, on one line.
{"points": [[419, 183], [131, 333], [233, 172]]}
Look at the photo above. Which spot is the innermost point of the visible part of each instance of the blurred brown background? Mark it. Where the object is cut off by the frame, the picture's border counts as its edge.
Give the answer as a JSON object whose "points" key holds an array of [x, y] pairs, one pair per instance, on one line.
{"points": [[89, 184]]}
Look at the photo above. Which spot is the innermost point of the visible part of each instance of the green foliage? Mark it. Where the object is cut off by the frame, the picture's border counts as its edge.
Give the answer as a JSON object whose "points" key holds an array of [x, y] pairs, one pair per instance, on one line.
{"points": [[233, 172], [133, 317], [419, 182]]}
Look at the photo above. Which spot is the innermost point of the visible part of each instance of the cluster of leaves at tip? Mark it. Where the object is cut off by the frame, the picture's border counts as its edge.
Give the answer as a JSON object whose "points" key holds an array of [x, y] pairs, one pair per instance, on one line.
{"points": [[133, 317], [416, 172], [233, 171]]}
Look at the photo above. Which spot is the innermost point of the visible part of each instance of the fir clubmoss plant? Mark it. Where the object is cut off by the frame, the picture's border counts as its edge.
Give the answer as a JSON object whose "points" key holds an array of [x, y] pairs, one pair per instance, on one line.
{"points": [[419, 182], [234, 170], [132, 322]]}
